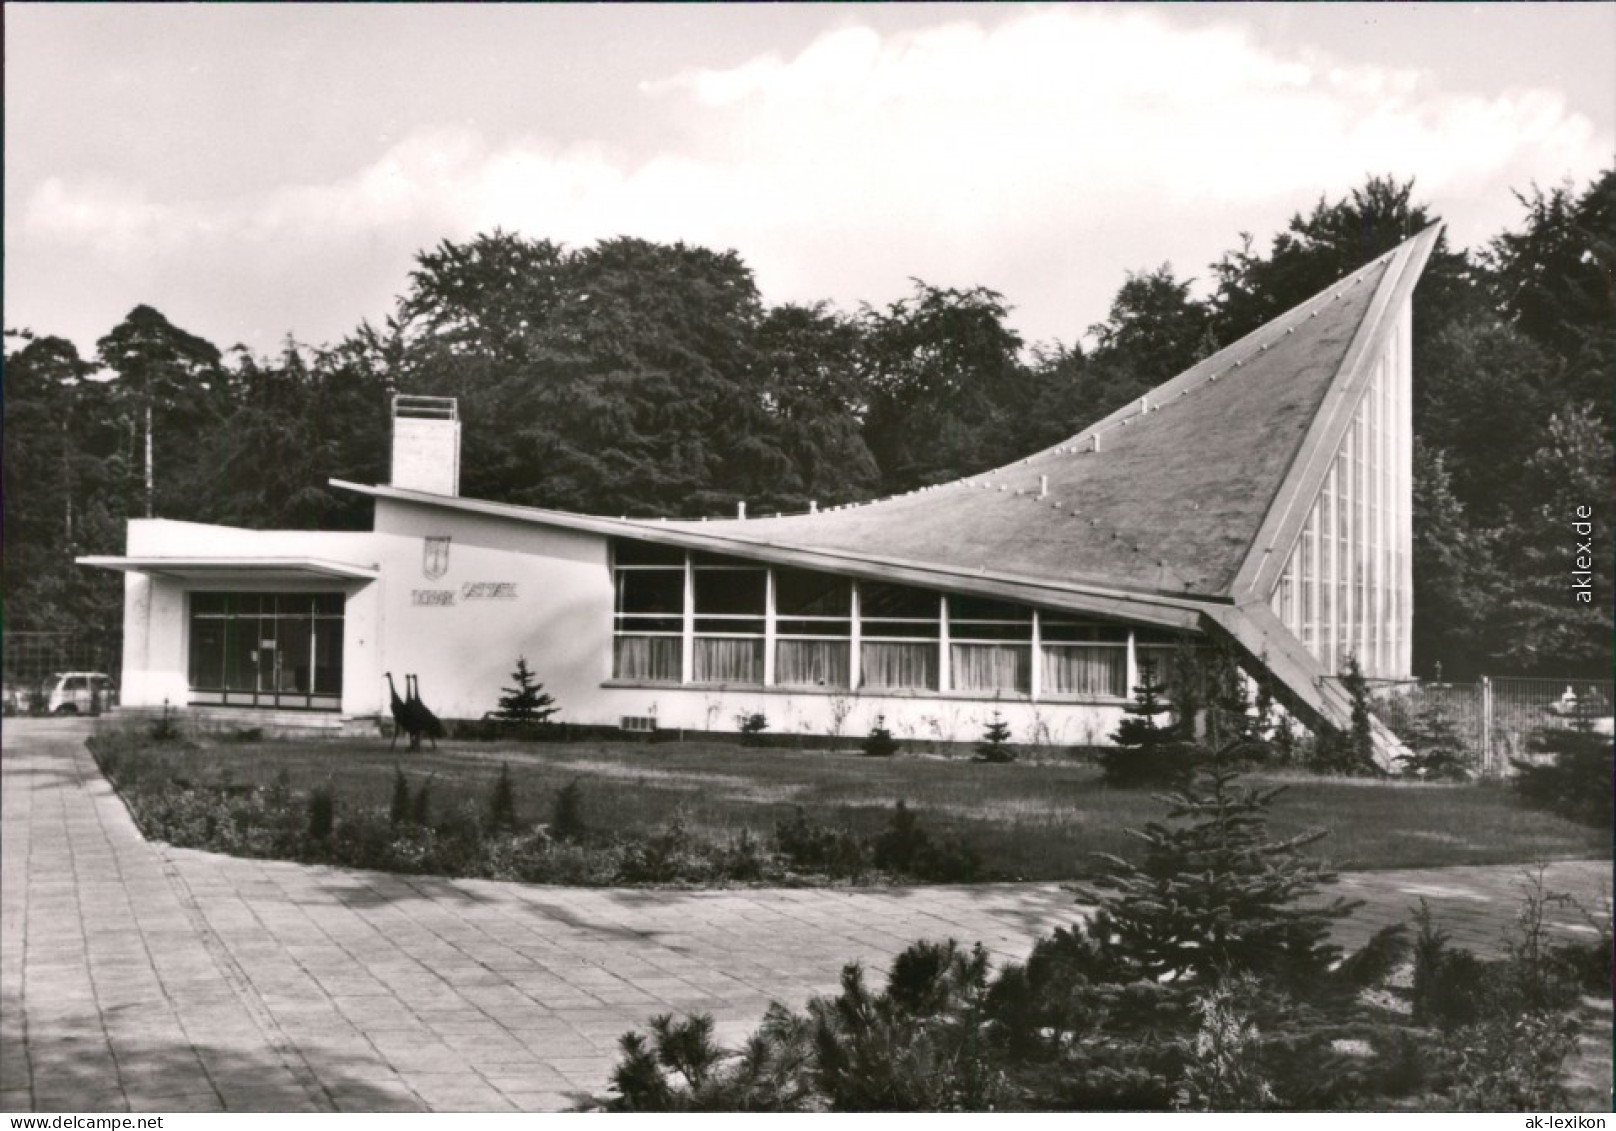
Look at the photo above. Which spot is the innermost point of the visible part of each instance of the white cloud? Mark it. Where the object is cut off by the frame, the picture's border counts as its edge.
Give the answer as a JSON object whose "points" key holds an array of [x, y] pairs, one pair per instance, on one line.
{"points": [[1032, 156]]}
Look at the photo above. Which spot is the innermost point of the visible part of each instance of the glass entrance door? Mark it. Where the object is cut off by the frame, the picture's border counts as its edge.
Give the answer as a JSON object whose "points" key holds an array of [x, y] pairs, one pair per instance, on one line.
{"points": [[280, 650]]}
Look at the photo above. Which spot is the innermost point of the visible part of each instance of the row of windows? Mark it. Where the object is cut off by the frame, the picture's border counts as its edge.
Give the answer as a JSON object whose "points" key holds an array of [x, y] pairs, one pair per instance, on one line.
{"points": [[705, 619]]}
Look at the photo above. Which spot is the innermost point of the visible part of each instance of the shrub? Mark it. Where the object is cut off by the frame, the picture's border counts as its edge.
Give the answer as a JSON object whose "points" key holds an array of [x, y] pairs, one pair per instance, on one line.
{"points": [[664, 857], [744, 859], [921, 1044], [322, 813], [1203, 981], [1513, 1063], [398, 811], [421, 805], [1508, 1026], [166, 727], [751, 724], [810, 845], [879, 743], [1223, 1062], [681, 1068], [995, 744], [567, 816], [1576, 781], [502, 801], [1448, 984], [907, 849]]}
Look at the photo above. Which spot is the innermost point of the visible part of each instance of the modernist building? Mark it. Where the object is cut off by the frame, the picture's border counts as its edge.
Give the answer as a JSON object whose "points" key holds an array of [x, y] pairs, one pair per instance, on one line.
{"points": [[1262, 498]]}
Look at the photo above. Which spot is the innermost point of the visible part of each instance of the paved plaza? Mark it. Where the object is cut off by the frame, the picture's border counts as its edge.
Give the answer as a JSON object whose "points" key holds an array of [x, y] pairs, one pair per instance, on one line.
{"points": [[136, 976]]}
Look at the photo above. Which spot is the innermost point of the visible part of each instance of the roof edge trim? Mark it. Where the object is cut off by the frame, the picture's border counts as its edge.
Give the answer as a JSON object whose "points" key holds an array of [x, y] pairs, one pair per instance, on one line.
{"points": [[155, 563], [1109, 600]]}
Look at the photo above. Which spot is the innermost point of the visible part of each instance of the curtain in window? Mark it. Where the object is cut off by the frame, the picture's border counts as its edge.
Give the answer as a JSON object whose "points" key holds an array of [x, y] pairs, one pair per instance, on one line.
{"points": [[1085, 670], [811, 663], [898, 666], [728, 660], [991, 667], [647, 657]]}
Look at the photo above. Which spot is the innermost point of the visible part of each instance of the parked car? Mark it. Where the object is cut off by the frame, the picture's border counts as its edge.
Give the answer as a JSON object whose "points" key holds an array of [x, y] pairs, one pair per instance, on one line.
{"points": [[77, 693]]}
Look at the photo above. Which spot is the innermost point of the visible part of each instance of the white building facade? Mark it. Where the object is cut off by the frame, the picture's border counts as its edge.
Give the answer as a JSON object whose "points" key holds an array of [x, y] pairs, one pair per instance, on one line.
{"points": [[1261, 499]]}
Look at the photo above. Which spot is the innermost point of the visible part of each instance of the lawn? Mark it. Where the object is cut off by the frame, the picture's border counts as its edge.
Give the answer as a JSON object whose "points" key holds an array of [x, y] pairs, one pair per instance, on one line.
{"points": [[1027, 822]]}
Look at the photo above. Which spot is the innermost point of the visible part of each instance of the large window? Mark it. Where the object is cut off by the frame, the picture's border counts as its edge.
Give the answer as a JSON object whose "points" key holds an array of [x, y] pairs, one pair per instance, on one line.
{"points": [[650, 612], [990, 645], [813, 629], [901, 628], [1082, 659], [692, 618], [279, 650], [731, 603], [1345, 587]]}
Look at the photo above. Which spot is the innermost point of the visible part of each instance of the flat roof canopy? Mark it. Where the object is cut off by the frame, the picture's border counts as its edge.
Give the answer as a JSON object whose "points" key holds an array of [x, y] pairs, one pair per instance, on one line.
{"points": [[242, 570]]}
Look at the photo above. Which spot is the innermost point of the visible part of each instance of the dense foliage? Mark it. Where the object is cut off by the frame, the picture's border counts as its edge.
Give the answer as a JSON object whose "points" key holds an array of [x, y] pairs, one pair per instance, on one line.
{"points": [[1571, 775], [500, 838], [1204, 980], [632, 377]]}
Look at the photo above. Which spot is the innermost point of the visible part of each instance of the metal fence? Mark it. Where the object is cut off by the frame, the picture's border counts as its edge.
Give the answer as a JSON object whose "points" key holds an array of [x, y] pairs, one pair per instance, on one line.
{"points": [[1497, 716], [30, 658]]}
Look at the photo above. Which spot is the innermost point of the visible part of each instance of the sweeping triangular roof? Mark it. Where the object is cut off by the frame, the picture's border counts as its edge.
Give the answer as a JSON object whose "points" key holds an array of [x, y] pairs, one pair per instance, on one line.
{"points": [[1178, 509], [1176, 499], [1167, 495]]}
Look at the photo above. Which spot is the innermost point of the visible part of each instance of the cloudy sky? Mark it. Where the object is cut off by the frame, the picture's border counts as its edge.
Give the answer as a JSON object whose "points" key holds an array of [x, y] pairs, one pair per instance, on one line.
{"points": [[255, 171]]}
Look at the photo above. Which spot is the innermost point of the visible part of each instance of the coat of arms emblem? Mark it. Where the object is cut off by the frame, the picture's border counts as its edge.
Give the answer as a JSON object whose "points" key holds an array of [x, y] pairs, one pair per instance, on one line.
{"points": [[435, 557]]}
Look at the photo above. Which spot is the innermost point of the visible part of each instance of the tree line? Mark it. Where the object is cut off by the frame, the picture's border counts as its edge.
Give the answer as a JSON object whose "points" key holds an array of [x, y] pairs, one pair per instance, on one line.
{"points": [[640, 378]]}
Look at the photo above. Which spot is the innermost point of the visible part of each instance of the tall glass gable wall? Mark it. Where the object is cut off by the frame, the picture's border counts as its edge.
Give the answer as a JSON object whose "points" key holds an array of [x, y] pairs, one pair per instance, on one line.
{"points": [[1345, 589], [704, 619], [280, 650]]}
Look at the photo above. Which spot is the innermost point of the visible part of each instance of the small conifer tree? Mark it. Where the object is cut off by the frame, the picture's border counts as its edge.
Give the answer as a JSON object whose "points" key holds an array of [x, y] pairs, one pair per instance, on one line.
{"points": [[502, 802], [1146, 751], [751, 724], [322, 813], [1362, 737], [879, 743], [995, 744], [398, 812], [567, 818], [1437, 751], [1351, 751], [526, 703], [421, 807], [1215, 895], [1140, 730]]}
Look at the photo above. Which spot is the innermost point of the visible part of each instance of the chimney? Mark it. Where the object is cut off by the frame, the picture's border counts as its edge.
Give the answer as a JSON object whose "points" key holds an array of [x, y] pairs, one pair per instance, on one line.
{"points": [[426, 444]]}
